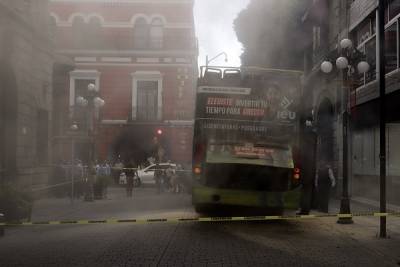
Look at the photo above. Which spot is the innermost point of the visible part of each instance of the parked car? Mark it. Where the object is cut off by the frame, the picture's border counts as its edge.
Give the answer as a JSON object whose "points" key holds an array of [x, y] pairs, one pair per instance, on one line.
{"points": [[146, 175]]}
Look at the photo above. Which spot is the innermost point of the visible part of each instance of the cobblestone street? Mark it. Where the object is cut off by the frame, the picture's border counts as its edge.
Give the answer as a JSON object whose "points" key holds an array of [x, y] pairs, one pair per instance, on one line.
{"points": [[146, 203], [311, 242]]}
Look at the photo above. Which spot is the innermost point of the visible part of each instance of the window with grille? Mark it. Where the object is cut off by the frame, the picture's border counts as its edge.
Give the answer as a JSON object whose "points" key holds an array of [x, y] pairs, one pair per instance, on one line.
{"points": [[147, 100]]}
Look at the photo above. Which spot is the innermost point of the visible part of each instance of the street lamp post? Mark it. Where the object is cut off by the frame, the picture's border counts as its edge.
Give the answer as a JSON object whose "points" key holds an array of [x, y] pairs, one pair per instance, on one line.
{"points": [[345, 63], [92, 102], [382, 116], [74, 127], [208, 61]]}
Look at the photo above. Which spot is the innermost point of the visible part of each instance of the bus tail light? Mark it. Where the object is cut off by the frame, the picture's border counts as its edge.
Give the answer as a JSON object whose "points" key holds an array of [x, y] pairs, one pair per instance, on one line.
{"points": [[296, 174]]}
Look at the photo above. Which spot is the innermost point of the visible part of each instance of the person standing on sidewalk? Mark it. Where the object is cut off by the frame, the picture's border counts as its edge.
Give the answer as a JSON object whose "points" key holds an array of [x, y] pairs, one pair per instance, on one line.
{"points": [[170, 179], [117, 170], [308, 169], [130, 177], [324, 181], [158, 177]]}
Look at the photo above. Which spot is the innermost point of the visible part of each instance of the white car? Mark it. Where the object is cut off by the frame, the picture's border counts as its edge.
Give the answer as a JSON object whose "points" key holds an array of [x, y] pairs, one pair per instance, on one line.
{"points": [[146, 175]]}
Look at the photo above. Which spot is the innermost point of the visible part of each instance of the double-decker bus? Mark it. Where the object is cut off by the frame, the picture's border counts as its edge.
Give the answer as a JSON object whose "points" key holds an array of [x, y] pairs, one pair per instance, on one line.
{"points": [[246, 139]]}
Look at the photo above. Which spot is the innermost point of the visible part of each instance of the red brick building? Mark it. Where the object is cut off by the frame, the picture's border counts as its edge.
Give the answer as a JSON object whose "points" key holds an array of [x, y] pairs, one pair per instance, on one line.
{"points": [[142, 56]]}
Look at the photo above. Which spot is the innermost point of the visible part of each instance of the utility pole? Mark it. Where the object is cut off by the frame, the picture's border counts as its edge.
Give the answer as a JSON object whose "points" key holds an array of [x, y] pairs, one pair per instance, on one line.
{"points": [[382, 115]]}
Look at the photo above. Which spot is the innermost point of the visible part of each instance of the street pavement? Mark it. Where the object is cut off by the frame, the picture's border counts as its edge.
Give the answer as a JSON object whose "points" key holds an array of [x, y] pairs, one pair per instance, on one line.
{"points": [[145, 203], [309, 242]]}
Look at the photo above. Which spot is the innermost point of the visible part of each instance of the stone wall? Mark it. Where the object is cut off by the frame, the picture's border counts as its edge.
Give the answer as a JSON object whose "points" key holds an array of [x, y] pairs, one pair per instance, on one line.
{"points": [[30, 59]]}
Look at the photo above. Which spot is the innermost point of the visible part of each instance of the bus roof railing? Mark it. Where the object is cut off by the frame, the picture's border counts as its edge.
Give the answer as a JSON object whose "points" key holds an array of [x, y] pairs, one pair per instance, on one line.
{"points": [[237, 76], [250, 70]]}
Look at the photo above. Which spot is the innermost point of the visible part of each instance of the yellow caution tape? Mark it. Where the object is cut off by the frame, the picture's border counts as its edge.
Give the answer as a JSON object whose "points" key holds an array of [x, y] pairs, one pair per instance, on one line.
{"points": [[201, 219]]}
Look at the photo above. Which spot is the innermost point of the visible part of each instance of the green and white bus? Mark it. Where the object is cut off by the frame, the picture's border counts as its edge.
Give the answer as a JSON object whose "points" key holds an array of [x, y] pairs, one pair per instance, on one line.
{"points": [[246, 139]]}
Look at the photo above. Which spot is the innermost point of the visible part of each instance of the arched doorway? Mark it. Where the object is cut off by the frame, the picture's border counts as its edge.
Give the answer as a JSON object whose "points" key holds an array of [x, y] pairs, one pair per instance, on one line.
{"points": [[8, 122], [325, 120]]}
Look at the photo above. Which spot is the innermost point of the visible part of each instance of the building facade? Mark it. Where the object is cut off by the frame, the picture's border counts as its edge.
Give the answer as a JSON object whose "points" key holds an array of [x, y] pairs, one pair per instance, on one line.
{"points": [[328, 22], [142, 57], [25, 92]]}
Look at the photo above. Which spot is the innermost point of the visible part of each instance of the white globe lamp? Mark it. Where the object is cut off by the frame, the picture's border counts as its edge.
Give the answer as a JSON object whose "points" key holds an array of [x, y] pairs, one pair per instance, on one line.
{"points": [[326, 67], [363, 67], [342, 63], [81, 101], [346, 43], [98, 102], [91, 87]]}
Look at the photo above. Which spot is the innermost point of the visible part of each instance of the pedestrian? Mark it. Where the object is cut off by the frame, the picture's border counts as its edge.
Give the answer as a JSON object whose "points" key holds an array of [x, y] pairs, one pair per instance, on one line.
{"points": [[79, 178], [106, 178], [107, 168], [180, 178], [117, 170], [172, 179], [308, 172], [97, 168], [158, 178], [166, 183], [324, 181], [131, 172], [122, 178]]}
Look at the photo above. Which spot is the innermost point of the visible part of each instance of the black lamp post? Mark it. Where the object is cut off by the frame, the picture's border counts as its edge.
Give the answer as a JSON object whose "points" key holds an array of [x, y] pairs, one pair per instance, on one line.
{"points": [[350, 56], [382, 114], [73, 128], [92, 102]]}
